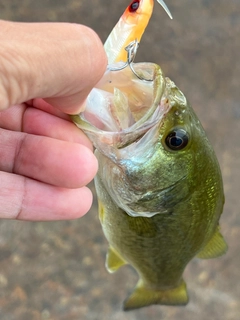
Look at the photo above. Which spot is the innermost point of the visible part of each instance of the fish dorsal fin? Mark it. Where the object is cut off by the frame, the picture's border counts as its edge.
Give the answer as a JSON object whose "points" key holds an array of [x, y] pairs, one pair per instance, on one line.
{"points": [[143, 296], [113, 260], [215, 247]]}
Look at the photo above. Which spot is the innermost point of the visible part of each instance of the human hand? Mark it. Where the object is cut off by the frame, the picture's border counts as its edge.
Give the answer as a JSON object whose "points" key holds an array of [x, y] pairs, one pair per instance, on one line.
{"points": [[46, 71]]}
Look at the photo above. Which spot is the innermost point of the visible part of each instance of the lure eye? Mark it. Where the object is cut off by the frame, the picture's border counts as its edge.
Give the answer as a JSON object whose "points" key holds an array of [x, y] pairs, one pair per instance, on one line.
{"points": [[177, 139], [134, 6]]}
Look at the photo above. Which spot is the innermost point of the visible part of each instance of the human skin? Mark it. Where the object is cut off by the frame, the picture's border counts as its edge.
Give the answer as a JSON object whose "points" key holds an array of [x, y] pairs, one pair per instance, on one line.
{"points": [[46, 73]]}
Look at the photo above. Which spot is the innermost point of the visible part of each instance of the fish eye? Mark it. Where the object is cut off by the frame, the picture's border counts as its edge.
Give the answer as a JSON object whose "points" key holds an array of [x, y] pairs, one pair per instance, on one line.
{"points": [[134, 6], [177, 139]]}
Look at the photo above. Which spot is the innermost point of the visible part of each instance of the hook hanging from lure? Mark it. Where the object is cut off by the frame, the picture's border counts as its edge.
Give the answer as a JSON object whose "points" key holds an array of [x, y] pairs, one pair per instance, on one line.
{"points": [[123, 41]]}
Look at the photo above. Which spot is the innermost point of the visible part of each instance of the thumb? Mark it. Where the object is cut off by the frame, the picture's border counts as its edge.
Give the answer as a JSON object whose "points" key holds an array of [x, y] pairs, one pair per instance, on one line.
{"points": [[59, 62]]}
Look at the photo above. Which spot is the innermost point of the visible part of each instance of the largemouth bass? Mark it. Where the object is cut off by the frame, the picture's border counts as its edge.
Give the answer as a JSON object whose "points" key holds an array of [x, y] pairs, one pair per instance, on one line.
{"points": [[159, 185]]}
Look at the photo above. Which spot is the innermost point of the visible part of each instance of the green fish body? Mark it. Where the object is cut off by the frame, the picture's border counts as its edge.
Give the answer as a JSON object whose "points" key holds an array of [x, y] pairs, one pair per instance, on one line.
{"points": [[159, 185]]}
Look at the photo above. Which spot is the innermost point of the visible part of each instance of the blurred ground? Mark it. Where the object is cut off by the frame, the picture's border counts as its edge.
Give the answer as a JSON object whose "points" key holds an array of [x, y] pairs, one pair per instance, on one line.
{"points": [[56, 271]]}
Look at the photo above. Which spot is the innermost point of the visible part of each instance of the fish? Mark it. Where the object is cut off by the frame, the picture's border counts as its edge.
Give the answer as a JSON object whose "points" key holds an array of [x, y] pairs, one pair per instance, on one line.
{"points": [[159, 185]]}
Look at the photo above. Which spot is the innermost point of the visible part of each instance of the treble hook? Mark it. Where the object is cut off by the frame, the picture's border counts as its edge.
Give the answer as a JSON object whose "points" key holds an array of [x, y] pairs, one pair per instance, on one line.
{"points": [[131, 54]]}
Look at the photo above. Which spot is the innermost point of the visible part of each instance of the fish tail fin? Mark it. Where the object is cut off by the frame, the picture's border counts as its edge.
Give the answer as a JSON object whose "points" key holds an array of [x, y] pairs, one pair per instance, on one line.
{"points": [[143, 296]]}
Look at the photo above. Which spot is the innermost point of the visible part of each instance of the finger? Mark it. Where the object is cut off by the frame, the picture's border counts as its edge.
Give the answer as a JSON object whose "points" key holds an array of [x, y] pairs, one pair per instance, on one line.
{"points": [[11, 119], [44, 106], [56, 61], [25, 199], [60, 163], [34, 121], [41, 123]]}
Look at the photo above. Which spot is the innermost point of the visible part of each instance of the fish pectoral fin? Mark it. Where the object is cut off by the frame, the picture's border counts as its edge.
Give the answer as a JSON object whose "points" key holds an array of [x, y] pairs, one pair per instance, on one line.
{"points": [[143, 296], [113, 260], [215, 247]]}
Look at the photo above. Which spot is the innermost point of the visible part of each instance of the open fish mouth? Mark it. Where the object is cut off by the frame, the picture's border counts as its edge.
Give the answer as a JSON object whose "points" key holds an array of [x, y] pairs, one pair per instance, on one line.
{"points": [[122, 107]]}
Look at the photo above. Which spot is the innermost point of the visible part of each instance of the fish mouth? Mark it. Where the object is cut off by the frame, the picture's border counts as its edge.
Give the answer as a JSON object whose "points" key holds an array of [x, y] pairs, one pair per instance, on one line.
{"points": [[122, 107]]}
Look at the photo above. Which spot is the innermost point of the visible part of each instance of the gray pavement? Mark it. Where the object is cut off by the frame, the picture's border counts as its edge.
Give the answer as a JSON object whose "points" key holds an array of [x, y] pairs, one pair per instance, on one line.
{"points": [[55, 271]]}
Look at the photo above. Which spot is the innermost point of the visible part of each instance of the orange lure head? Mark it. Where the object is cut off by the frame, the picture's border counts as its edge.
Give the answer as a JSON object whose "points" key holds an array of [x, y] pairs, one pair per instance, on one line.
{"points": [[138, 14], [129, 28]]}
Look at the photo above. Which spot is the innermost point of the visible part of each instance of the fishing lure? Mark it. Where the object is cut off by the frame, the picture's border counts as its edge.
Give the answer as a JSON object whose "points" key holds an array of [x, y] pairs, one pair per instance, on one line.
{"points": [[130, 28]]}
